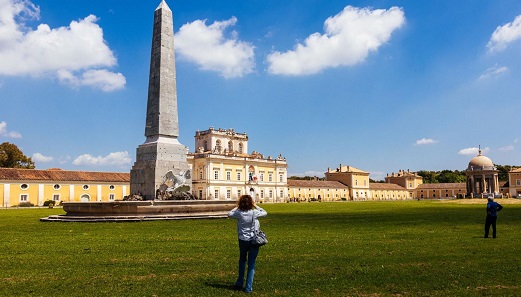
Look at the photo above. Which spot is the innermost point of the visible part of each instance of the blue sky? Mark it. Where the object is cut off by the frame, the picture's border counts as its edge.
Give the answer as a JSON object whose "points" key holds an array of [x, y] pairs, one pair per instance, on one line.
{"points": [[379, 85]]}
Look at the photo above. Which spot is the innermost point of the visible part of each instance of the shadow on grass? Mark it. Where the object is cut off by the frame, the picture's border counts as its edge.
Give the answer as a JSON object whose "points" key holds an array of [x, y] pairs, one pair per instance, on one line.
{"points": [[225, 286]]}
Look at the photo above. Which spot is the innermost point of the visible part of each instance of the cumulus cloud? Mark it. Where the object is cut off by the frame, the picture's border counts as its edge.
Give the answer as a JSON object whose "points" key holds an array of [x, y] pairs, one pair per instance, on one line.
{"points": [[424, 141], [473, 151], [494, 71], [37, 157], [117, 158], [5, 133], [349, 38], [505, 35], [78, 49], [207, 46], [101, 79]]}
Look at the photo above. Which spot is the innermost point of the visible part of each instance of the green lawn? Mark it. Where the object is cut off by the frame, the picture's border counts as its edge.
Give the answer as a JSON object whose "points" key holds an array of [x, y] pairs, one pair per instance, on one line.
{"points": [[411, 248]]}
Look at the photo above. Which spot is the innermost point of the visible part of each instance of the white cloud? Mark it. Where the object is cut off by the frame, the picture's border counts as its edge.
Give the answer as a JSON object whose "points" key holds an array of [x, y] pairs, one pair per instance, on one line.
{"points": [[349, 37], [377, 175], [101, 79], [505, 35], [207, 47], [311, 173], [5, 133], [506, 148], [473, 151], [37, 157], [117, 158], [424, 141], [494, 71], [79, 48]]}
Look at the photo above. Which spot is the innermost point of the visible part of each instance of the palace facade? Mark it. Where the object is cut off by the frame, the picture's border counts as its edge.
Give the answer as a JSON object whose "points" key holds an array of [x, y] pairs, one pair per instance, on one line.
{"points": [[222, 169]]}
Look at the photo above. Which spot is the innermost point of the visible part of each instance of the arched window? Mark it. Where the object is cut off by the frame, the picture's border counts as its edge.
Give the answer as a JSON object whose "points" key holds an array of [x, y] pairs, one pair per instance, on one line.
{"points": [[206, 148], [230, 146], [240, 148]]}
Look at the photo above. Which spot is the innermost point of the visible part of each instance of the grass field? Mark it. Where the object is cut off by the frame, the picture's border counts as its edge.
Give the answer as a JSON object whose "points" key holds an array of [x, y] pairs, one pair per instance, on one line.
{"points": [[410, 248]]}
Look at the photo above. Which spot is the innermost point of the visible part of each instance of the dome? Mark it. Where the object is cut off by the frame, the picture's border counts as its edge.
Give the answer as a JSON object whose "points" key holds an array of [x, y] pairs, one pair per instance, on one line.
{"points": [[480, 163]]}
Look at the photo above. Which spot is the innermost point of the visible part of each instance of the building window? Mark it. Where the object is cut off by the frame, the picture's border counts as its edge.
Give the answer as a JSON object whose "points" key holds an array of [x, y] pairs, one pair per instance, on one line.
{"points": [[262, 194], [200, 174], [24, 198], [410, 185], [261, 176], [365, 183], [228, 194], [216, 174], [112, 187], [281, 177], [228, 175], [356, 182], [240, 148], [56, 197], [239, 192], [518, 182], [216, 194], [112, 197], [238, 176], [271, 194], [24, 186], [85, 187], [200, 194], [56, 187], [281, 193], [230, 147], [270, 177]]}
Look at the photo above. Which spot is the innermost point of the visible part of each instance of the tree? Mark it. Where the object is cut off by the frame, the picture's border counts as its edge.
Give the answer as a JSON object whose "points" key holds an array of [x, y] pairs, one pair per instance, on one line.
{"points": [[449, 176], [12, 157]]}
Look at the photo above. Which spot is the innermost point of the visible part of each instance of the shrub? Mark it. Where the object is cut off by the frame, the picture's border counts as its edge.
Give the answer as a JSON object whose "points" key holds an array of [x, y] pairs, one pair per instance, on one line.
{"points": [[48, 202], [25, 204]]}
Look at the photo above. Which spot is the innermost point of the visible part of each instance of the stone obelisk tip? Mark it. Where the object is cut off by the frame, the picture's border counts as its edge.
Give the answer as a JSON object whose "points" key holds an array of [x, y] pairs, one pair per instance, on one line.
{"points": [[163, 5]]}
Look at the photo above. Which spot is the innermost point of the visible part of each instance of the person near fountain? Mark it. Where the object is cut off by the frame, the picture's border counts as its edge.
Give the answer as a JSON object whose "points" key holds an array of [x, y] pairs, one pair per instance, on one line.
{"points": [[246, 214]]}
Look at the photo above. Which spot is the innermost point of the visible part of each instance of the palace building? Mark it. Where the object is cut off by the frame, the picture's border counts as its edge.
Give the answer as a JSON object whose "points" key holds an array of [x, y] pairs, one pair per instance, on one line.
{"points": [[223, 170]]}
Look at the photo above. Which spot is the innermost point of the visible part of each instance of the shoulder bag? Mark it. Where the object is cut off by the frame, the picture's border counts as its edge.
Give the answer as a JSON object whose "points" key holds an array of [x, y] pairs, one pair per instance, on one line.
{"points": [[259, 237]]}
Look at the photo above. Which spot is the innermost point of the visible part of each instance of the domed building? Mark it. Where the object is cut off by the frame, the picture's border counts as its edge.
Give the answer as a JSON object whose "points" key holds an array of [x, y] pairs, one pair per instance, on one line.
{"points": [[482, 177]]}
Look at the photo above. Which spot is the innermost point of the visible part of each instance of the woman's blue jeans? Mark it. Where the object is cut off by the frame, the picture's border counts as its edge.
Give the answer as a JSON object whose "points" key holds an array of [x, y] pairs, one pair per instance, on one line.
{"points": [[248, 253]]}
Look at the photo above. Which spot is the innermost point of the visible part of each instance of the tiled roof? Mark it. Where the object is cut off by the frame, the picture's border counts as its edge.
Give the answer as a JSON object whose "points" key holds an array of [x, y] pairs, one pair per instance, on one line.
{"points": [[15, 174], [386, 186], [516, 170], [315, 184], [442, 186], [347, 168]]}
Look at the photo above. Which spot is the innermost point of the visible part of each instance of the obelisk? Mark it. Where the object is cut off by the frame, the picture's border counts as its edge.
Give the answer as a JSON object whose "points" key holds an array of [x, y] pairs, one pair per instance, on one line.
{"points": [[161, 152]]}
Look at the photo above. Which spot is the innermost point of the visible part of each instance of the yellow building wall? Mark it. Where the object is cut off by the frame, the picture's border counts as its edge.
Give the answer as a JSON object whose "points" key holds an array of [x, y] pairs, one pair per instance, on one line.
{"points": [[305, 194], [515, 188], [39, 192]]}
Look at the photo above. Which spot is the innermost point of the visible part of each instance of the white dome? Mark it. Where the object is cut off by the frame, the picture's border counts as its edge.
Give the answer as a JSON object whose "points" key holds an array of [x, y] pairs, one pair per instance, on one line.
{"points": [[480, 163]]}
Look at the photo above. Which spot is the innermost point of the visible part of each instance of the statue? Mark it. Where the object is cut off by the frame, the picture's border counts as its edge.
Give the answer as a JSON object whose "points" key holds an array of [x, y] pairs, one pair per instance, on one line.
{"points": [[174, 186]]}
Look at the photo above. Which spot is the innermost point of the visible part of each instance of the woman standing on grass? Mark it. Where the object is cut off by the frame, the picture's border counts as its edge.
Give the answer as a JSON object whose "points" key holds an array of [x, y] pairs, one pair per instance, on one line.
{"points": [[246, 214]]}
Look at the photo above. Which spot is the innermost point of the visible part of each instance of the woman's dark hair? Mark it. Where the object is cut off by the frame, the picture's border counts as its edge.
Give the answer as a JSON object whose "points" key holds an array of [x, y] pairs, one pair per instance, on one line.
{"points": [[245, 203]]}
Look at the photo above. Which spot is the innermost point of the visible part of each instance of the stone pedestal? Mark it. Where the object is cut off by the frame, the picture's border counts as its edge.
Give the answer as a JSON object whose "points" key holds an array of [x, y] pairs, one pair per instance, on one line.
{"points": [[153, 162]]}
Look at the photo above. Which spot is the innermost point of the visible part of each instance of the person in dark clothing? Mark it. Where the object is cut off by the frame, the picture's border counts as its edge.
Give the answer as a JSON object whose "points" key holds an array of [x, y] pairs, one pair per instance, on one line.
{"points": [[492, 210]]}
